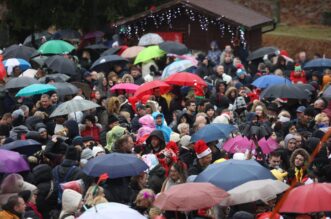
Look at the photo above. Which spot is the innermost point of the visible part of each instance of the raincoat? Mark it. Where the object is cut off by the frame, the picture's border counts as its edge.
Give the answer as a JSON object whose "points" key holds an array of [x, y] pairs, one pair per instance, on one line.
{"points": [[163, 127]]}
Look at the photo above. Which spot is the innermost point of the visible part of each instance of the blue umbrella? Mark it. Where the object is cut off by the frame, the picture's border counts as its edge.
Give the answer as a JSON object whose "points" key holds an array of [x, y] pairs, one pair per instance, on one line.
{"points": [[26, 147], [177, 66], [116, 165], [34, 89], [268, 80], [11, 63], [318, 63], [232, 173], [213, 132]]}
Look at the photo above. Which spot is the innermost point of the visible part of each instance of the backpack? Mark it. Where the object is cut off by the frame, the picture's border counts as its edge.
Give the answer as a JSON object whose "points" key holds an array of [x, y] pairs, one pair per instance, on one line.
{"points": [[57, 182]]}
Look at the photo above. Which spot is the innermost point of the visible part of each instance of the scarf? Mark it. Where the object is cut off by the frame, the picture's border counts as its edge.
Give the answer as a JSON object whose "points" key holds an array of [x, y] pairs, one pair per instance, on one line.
{"points": [[298, 174]]}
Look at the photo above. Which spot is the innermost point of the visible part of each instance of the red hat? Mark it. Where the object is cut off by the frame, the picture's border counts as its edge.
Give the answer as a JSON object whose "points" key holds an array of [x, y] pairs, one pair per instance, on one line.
{"points": [[201, 149], [284, 53]]}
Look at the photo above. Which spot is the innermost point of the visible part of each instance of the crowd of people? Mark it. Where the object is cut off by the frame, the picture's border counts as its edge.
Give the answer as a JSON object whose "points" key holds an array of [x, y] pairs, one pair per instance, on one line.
{"points": [[158, 129]]}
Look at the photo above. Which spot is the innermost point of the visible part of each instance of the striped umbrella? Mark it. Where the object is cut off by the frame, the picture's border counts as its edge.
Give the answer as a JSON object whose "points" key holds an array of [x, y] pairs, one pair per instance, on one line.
{"points": [[11, 63]]}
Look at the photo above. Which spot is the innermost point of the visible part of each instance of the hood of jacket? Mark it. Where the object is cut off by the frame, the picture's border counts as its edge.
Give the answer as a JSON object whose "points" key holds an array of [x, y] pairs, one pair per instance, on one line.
{"points": [[42, 173], [114, 134], [156, 114], [158, 134], [72, 126], [287, 139], [147, 120], [70, 201]]}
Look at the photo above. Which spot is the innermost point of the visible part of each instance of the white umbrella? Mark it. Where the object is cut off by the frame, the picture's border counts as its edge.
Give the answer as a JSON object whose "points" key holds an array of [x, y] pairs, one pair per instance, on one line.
{"points": [[73, 106], [29, 73], [255, 190], [111, 210], [150, 39]]}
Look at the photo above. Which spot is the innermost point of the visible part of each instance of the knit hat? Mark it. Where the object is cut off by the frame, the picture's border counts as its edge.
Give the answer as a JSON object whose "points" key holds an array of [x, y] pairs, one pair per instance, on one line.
{"points": [[78, 140], [17, 113], [185, 140], [71, 153], [201, 149], [96, 150], [26, 195], [86, 154], [239, 156], [175, 137]]}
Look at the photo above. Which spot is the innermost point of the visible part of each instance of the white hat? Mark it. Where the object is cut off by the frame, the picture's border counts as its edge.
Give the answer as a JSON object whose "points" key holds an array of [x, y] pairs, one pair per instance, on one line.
{"points": [[174, 136], [97, 150], [239, 156], [185, 140]]}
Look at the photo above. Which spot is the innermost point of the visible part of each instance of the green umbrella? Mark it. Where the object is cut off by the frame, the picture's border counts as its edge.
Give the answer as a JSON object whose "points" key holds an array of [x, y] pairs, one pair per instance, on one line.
{"points": [[56, 47], [34, 89], [149, 53]]}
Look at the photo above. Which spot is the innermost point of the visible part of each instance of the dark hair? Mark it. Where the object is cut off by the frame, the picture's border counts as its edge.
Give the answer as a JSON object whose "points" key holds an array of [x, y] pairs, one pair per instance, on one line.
{"points": [[119, 143], [275, 154], [90, 118], [181, 169], [11, 203], [188, 102]]}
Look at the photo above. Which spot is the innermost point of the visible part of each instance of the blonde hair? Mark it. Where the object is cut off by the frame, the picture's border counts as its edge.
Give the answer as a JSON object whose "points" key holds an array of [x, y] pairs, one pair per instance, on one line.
{"points": [[181, 126], [127, 77], [145, 194], [319, 117], [113, 105], [93, 199]]}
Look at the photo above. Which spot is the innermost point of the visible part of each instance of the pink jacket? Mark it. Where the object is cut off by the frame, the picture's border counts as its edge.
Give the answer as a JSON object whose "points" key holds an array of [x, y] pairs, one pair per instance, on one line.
{"points": [[148, 125]]}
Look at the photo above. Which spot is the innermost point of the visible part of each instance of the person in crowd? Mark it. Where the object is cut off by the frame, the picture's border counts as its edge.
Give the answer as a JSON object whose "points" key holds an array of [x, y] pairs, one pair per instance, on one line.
{"points": [[204, 158], [14, 208]]}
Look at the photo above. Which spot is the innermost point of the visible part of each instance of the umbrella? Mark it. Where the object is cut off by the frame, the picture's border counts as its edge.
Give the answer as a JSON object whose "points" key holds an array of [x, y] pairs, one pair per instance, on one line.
{"points": [[64, 88], [29, 73], [232, 173], [188, 57], [177, 66], [185, 79], [284, 91], [306, 87], [94, 34], [148, 88], [34, 89], [72, 106], [268, 80], [212, 132], [150, 39], [258, 131], [61, 64], [149, 53], [268, 146], [238, 144], [20, 82], [318, 63], [174, 47], [96, 47], [128, 87], [18, 51], [56, 47], [132, 52], [12, 62], [57, 77], [38, 61], [315, 197], [327, 93], [12, 162], [264, 190], [39, 38], [259, 53], [104, 62], [111, 51], [111, 210], [26, 147], [67, 34], [116, 165], [189, 197]]}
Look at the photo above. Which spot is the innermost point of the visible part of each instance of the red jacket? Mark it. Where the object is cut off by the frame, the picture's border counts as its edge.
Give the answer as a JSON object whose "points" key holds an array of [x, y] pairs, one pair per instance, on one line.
{"points": [[298, 78], [94, 132]]}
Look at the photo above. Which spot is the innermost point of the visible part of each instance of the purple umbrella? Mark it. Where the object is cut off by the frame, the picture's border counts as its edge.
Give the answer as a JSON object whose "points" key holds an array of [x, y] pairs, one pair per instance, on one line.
{"points": [[12, 162]]}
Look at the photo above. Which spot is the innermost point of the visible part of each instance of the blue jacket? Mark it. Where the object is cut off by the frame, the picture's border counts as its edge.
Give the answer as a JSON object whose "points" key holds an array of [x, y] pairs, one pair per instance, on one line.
{"points": [[164, 128]]}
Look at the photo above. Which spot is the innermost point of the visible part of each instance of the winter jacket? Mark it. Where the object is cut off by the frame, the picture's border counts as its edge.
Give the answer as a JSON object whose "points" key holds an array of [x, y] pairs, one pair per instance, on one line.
{"points": [[163, 127], [149, 148], [17, 132], [70, 203], [63, 169], [148, 126], [73, 128], [187, 156], [196, 169], [156, 178], [8, 215], [298, 78], [118, 190], [139, 80], [93, 131]]}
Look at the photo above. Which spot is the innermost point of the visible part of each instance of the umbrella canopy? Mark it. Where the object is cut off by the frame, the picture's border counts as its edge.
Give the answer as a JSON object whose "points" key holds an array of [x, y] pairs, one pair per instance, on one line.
{"points": [[284, 91], [149, 53], [96, 47], [26, 147], [148, 88], [150, 39], [12, 162], [64, 88], [20, 82], [177, 66], [232, 173], [93, 35], [321, 63], [259, 53], [238, 144], [132, 52], [128, 87], [29, 73], [213, 132], [189, 197], [39, 38], [111, 51], [111, 210], [11, 63], [264, 190], [116, 165], [56, 47], [18, 51], [104, 63], [34, 89], [38, 61], [315, 197], [268, 80], [268, 145], [57, 77], [305, 87], [174, 47], [185, 79], [187, 57], [67, 34], [72, 106], [61, 64], [327, 93]]}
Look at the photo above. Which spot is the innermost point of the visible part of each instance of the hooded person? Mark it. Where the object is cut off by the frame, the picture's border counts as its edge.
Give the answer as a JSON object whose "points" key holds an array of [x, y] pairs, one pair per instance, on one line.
{"points": [[71, 204], [72, 129], [155, 142], [77, 116], [204, 158], [160, 125], [113, 135], [148, 125], [19, 130]]}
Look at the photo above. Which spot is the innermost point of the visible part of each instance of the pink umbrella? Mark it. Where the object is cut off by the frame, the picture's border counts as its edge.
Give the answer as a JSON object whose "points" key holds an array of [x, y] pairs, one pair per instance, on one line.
{"points": [[132, 52], [268, 146], [238, 144], [188, 57], [128, 87]]}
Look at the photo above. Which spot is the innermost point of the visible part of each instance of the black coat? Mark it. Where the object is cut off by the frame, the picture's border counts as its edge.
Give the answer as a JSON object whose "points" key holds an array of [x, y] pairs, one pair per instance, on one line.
{"points": [[156, 178], [63, 169], [118, 190], [187, 156], [195, 169]]}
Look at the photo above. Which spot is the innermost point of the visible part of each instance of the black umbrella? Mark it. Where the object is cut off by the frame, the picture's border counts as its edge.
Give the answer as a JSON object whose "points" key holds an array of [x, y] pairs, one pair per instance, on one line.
{"points": [[256, 131], [66, 34], [174, 47], [20, 82], [307, 87], [60, 64], [18, 51], [58, 77], [26, 147], [104, 62], [64, 88], [111, 51], [96, 47], [285, 91], [259, 53], [39, 38]]}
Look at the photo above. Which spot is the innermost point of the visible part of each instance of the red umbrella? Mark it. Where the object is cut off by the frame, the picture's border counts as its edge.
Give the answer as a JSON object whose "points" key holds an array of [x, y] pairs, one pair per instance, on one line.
{"points": [[148, 88], [190, 196], [128, 87], [185, 79], [315, 197]]}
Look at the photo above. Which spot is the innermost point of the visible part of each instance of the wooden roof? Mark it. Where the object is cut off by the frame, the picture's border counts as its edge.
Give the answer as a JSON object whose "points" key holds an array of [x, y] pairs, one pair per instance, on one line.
{"points": [[226, 10]]}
